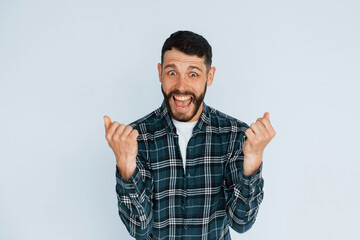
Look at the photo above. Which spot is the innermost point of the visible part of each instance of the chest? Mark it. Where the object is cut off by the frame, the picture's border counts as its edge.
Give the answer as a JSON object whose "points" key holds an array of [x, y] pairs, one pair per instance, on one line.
{"points": [[206, 155]]}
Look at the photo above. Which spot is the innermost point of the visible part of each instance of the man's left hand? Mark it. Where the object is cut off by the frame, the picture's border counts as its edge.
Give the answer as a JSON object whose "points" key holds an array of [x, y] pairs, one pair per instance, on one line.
{"points": [[259, 134]]}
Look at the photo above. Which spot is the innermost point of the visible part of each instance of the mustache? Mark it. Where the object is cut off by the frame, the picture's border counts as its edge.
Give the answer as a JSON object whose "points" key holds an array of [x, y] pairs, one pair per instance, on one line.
{"points": [[178, 92]]}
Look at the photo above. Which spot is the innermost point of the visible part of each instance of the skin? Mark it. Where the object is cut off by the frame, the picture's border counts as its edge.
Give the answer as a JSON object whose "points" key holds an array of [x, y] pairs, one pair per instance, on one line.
{"points": [[259, 134], [183, 75], [122, 140]]}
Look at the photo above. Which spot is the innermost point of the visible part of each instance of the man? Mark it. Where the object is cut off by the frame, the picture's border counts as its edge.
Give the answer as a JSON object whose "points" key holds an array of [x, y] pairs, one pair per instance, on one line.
{"points": [[186, 170]]}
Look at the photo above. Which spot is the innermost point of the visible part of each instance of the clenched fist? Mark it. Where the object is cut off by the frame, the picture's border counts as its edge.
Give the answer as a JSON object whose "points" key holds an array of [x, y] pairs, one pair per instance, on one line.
{"points": [[122, 140], [259, 134]]}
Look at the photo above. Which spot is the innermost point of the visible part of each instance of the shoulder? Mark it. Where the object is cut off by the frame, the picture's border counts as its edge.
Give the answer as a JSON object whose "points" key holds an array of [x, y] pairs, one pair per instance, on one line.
{"points": [[231, 130], [225, 122], [150, 122]]}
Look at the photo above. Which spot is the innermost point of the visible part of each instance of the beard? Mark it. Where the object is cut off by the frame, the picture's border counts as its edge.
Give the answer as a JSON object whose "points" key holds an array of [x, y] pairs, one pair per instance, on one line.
{"points": [[196, 100]]}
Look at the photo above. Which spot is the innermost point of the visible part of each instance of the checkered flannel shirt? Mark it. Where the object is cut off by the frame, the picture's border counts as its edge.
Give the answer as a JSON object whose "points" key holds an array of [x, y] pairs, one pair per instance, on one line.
{"points": [[160, 201]]}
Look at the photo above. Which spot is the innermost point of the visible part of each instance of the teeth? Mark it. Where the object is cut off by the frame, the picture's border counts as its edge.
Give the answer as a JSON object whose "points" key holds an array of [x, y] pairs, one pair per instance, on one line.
{"points": [[182, 98]]}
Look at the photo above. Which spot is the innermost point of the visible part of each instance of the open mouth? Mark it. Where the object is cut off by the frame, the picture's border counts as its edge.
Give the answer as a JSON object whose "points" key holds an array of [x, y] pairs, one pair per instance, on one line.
{"points": [[182, 102]]}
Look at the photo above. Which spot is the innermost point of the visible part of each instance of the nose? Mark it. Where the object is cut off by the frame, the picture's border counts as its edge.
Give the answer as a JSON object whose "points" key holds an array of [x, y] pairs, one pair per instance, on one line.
{"points": [[181, 84]]}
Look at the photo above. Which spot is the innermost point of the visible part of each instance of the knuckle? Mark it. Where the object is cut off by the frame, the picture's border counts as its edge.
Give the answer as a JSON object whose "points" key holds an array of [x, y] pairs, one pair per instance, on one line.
{"points": [[119, 129], [115, 137]]}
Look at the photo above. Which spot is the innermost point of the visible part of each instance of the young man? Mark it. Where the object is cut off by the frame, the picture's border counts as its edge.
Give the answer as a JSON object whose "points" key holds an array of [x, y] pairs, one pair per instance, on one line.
{"points": [[187, 170]]}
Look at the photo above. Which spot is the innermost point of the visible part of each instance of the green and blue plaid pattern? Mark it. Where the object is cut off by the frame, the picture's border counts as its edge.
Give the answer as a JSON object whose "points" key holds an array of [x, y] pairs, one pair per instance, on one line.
{"points": [[160, 201]]}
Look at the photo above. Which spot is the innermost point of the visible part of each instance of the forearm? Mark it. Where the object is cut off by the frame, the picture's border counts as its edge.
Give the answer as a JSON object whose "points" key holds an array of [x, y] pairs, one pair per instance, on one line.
{"points": [[251, 164], [127, 169]]}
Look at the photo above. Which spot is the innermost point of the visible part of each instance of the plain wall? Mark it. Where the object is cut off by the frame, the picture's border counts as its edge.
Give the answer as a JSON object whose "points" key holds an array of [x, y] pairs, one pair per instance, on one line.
{"points": [[66, 64]]}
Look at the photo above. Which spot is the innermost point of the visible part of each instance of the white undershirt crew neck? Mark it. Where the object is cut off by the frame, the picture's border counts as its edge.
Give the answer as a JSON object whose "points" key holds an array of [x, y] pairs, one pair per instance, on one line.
{"points": [[184, 130]]}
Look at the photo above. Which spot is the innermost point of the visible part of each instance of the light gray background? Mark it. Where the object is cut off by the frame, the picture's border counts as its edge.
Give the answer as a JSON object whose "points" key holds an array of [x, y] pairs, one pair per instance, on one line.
{"points": [[65, 64]]}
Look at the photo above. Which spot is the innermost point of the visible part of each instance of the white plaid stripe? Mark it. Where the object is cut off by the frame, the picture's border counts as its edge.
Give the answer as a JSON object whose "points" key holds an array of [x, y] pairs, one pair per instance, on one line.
{"points": [[160, 201]]}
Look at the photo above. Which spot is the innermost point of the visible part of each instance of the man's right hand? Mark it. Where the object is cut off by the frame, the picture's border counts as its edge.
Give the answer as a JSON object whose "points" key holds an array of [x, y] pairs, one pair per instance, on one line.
{"points": [[123, 141]]}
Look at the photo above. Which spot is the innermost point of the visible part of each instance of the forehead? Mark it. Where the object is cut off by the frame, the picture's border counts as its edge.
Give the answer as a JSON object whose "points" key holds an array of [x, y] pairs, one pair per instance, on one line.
{"points": [[177, 57]]}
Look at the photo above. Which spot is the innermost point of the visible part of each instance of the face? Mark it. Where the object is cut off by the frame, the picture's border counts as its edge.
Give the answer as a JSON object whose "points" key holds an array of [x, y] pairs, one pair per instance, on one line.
{"points": [[184, 79]]}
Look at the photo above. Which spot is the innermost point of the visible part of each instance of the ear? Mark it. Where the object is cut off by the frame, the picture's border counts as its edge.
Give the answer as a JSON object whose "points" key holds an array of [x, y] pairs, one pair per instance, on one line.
{"points": [[210, 76], [160, 72]]}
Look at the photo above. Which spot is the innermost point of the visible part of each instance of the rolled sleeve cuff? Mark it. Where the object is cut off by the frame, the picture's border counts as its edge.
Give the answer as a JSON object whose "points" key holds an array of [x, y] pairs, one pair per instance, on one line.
{"points": [[132, 186], [248, 183]]}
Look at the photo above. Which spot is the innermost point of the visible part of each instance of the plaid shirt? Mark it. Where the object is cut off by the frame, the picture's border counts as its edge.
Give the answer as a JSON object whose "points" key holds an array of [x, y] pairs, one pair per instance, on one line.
{"points": [[160, 202]]}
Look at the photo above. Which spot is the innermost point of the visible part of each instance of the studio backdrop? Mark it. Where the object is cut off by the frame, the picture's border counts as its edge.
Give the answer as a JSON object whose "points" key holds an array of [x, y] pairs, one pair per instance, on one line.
{"points": [[66, 64]]}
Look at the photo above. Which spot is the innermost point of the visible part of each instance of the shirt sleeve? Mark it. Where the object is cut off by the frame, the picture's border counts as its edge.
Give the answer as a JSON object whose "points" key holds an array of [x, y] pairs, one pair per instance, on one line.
{"points": [[135, 200], [245, 193]]}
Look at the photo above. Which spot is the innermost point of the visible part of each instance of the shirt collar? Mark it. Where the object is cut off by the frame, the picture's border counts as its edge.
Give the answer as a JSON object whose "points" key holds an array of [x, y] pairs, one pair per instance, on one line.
{"points": [[170, 127]]}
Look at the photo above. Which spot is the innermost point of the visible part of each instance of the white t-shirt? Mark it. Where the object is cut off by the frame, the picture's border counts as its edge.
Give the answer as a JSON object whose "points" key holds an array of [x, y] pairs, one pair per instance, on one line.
{"points": [[184, 130]]}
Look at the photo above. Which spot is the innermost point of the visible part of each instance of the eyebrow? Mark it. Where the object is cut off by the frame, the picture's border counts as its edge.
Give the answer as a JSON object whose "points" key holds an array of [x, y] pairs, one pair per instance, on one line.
{"points": [[171, 65], [192, 67]]}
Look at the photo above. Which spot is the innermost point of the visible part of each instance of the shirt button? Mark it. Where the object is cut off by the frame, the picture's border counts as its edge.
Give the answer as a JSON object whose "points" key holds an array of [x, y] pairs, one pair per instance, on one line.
{"points": [[185, 226]]}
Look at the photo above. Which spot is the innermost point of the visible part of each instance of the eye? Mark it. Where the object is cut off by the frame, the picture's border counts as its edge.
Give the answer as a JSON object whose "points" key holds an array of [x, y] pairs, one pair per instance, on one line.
{"points": [[193, 74], [172, 73]]}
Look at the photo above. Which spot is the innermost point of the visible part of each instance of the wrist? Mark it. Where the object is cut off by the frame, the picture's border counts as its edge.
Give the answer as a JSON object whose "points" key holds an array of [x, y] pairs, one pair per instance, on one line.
{"points": [[251, 164], [126, 171]]}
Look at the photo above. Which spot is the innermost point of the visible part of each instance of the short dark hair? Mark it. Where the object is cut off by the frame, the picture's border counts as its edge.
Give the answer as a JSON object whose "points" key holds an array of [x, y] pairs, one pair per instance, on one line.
{"points": [[189, 43]]}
